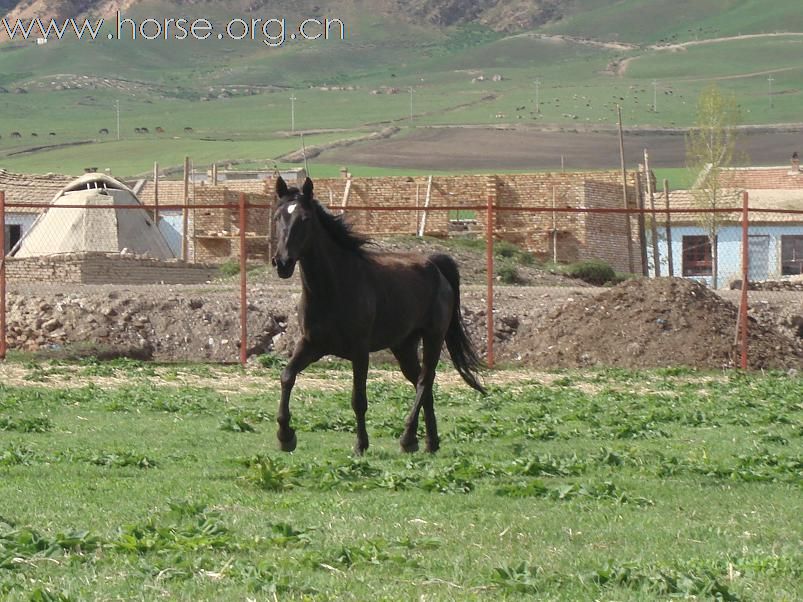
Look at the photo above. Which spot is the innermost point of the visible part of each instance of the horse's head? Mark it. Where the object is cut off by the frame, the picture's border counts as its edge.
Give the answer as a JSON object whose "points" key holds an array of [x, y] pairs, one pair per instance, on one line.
{"points": [[293, 219]]}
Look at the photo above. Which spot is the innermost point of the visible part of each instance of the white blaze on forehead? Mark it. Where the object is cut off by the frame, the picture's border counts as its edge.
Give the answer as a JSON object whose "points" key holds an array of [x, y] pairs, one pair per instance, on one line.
{"points": [[291, 207]]}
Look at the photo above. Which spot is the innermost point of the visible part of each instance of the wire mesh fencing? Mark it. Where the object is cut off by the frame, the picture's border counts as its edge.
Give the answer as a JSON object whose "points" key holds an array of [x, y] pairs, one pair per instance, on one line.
{"points": [[193, 282]]}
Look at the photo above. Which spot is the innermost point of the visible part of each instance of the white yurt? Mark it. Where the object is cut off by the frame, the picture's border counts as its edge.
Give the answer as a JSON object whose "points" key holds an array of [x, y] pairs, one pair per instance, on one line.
{"points": [[71, 225]]}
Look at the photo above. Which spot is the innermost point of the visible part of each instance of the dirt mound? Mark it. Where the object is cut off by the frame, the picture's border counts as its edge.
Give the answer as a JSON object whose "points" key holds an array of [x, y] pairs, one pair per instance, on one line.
{"points": [[653, 323]]}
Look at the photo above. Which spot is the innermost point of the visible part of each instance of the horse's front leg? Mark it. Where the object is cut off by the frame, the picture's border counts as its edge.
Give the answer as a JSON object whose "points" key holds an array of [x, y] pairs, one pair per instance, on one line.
{"points": [[303, 356], [359, 400]]}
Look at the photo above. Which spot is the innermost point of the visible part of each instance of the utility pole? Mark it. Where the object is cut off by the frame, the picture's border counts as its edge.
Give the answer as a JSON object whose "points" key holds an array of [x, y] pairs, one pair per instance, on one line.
{"points": [[293, 113], [654, 96], [537, 83], [770, 79], [117, 108], [411, 106], [628, 233]]}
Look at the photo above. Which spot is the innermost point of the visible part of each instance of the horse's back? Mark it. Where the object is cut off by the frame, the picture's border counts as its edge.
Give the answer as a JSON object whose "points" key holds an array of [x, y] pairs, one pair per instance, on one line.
{"points": [[410, 294]]}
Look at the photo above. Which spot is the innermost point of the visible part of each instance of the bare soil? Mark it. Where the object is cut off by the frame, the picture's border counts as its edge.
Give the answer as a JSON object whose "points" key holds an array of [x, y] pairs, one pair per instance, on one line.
{"points": [[510, 148], [639, 324]]}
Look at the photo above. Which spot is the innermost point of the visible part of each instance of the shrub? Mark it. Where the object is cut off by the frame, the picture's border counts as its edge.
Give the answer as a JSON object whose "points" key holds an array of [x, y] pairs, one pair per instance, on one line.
{"points": [[592, 271], [503, 248], [509, 274], [229, 268]]}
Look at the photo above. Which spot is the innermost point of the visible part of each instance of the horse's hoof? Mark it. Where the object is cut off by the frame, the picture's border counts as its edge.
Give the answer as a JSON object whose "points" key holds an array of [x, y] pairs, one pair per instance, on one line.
{"points": [[359, 450], [432, 446], [289, 444], [409, 447]]}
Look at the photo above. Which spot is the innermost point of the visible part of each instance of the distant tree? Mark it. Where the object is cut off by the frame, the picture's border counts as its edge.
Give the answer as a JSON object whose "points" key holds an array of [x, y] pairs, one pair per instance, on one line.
{"points": [[711, 148]]}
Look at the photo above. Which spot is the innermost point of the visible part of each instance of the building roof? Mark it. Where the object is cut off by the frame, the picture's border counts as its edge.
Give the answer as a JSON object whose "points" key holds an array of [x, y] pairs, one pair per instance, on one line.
{"points": [[776, 188], [758, 199], [31, 188], [763, 178]]}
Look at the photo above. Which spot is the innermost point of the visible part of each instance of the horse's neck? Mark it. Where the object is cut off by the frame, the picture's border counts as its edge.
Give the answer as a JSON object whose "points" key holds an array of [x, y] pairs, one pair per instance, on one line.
{"points": [[323, 265]]}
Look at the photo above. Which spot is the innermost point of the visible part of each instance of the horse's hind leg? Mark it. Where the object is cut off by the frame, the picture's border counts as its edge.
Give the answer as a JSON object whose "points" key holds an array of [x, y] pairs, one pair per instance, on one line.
{"points": [[303, 356], [423, 399], [407, 354], [431, 355], [359, 401]]}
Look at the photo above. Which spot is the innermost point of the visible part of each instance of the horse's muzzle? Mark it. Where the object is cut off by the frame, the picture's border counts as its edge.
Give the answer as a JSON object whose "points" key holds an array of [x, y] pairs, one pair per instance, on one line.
{"points": [[284, 268]]}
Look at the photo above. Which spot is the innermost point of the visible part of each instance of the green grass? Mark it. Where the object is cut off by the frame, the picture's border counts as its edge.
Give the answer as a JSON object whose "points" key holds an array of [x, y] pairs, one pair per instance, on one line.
{"points": [[580, 485]]}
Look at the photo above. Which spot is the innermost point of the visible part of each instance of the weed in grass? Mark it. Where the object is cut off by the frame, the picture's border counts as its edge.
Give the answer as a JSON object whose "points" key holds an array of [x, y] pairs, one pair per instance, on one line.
{"points": [[520, 579], [237, 423], [268, 360], [548, 466], [26, 424], [16, 454], [43, 594], [375, 551], [185, 527], [663, 581], [121, 459], [272, 475], [570, 491], [18, 545]]}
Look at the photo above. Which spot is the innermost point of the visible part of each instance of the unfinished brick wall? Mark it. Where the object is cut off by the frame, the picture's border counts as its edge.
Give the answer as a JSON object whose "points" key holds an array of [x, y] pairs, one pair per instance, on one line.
{"points": [[400, 191], [578, 235], [216, 231]]}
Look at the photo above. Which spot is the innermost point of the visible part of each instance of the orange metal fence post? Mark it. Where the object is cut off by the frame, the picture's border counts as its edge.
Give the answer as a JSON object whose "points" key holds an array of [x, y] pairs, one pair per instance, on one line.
{"points": [[2, 275], [489, 267], [745, 282], [243, 285]]}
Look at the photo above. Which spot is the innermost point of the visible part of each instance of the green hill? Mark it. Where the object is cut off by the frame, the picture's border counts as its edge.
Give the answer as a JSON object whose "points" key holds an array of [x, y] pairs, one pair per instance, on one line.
{"points": [[436, 57]]}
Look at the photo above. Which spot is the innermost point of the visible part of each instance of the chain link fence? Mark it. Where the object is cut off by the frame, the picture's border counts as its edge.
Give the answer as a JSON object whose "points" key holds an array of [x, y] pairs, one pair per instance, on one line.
{"points": [[99, 273]]}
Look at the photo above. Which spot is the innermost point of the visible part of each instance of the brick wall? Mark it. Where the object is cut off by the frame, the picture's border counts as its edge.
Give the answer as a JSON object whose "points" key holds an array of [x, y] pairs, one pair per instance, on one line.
{"points": [[579, 235], [102, 268]]}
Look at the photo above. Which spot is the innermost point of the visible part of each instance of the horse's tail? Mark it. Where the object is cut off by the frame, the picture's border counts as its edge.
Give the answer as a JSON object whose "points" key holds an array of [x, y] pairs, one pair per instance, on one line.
{"points": [[464, 356]]}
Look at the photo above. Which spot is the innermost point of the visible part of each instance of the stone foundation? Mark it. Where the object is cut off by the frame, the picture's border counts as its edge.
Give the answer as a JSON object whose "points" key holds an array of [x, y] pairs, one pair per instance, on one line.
{"points": [[106, 268]]}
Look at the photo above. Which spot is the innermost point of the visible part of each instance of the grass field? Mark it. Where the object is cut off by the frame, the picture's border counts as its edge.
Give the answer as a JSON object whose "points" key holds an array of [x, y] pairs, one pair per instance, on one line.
{"points": [[134, 481]]}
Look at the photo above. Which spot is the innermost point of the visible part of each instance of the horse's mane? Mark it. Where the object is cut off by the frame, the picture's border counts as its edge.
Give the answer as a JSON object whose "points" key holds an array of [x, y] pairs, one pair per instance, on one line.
{"points": [[338, 228], [341, 231]]}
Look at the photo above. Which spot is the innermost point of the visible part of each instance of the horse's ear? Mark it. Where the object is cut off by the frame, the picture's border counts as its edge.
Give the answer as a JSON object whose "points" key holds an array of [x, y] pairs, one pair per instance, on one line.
{"points": [[307, 189], [281, 187]]}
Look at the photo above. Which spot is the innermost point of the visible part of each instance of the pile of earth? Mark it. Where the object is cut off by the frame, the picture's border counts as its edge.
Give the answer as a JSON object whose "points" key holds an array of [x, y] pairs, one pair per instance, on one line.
{"points": [[654, 323], [165, 323], [642, 323]]}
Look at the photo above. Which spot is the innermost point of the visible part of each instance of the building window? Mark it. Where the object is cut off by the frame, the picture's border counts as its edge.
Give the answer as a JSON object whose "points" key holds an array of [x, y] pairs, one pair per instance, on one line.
{"points": [[791, 255], [697, 256]]}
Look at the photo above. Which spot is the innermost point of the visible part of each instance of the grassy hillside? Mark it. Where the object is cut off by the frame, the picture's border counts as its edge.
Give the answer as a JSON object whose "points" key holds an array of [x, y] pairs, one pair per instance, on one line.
{"points": [[237, 94], [655, 21]]}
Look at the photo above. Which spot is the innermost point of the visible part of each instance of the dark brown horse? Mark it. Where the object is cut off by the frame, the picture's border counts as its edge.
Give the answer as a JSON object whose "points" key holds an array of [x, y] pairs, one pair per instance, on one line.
{"points": [[355, 301]]}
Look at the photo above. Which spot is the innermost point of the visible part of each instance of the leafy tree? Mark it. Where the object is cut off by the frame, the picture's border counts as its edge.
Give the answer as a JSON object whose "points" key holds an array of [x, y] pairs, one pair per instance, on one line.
{"points": [[711, 149]]}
